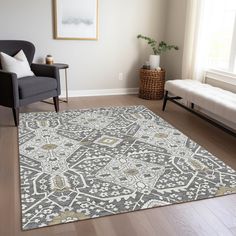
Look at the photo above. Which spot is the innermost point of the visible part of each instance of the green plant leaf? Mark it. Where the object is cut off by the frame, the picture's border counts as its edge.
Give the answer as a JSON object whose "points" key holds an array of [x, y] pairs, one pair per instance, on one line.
{"points": [[157, 48]]}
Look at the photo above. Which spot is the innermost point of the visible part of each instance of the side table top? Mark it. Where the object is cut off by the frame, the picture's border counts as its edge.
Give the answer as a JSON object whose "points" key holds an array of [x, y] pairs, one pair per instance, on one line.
{"points": [[61, 65]]}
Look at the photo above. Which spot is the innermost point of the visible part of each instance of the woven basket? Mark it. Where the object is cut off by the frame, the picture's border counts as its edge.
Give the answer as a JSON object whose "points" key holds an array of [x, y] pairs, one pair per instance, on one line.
{"points": [[152, 84]]}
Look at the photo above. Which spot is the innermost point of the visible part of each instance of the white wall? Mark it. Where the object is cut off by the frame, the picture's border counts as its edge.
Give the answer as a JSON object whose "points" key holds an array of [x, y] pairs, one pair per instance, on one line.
{"points": [[175, 32], [93, 64]]}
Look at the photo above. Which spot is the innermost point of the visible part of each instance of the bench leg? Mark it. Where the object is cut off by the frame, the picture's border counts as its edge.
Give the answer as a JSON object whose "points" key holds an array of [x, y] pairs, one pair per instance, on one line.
{"points": [[15, 112], [165, 101], [192, 105]]}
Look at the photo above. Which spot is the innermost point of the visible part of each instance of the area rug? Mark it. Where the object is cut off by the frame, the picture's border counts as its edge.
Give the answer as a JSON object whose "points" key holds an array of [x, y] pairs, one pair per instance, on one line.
{"points": [[84, 164]]}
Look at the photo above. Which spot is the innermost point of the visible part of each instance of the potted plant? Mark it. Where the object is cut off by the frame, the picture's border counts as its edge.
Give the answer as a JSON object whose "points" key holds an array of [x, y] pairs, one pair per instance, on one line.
{"points": [[158, 49]]}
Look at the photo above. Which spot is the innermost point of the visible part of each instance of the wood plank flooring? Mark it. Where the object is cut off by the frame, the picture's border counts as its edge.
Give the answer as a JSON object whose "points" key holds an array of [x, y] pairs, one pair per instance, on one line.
{"points": [[215, 216]]}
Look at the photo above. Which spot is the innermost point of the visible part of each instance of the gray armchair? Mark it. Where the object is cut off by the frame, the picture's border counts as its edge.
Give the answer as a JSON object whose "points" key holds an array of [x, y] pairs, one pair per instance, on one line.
{"points": [[15, 93]]}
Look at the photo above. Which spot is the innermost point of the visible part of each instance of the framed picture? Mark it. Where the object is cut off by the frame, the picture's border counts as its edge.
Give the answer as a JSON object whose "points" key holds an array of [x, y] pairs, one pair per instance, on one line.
{"points": [[76, 19]]}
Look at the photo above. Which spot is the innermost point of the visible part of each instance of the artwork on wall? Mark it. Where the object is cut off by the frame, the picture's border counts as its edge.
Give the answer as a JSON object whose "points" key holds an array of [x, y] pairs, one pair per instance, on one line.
{"points": [[76, 19]]}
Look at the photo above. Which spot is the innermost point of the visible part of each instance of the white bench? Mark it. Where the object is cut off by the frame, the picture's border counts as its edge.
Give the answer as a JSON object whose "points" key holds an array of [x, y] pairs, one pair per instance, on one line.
{"points": [[213, 99]]}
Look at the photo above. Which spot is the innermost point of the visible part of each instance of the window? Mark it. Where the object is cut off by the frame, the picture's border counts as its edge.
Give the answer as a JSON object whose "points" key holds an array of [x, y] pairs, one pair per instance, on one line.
{"points": [[219, 34]]}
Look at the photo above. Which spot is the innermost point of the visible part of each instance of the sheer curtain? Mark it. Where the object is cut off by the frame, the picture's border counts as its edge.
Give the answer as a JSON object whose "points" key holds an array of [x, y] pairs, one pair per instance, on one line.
{"points": [[210, 38], [194, 43]]}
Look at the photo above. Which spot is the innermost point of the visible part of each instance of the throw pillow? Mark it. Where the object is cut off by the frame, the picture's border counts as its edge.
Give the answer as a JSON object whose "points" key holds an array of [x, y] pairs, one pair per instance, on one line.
{"points": [[17, 64]]}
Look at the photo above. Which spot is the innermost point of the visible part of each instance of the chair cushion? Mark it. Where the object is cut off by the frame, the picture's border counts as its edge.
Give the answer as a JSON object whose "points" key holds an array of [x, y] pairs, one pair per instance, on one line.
{"points": [[33, 85]]}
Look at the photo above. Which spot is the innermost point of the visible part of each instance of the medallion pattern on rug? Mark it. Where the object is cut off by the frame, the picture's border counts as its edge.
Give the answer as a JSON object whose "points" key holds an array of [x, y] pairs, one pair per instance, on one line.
{"points": [[89, 163]]}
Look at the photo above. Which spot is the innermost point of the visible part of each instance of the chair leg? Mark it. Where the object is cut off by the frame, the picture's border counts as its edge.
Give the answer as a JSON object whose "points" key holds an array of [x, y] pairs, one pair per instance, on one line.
{"points": [[56, 103], [165, 101], [16, 116], [192, 105]]}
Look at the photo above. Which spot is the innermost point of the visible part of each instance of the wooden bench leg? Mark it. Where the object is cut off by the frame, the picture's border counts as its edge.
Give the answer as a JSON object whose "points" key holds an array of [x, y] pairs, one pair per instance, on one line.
{"points": [[165, 101], [192, 105]]}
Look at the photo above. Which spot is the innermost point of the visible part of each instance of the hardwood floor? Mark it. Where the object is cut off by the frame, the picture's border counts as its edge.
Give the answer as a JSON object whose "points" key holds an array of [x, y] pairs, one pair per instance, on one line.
{"points": [[215, 216]]}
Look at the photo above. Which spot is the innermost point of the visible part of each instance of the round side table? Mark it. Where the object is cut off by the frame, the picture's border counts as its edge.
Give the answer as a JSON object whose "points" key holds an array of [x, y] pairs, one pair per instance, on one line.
{"points": [[152, 84]]}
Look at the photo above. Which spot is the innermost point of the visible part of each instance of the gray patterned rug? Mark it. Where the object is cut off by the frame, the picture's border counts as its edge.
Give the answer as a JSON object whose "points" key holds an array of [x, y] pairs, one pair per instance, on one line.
{"points": [[89, 163]]}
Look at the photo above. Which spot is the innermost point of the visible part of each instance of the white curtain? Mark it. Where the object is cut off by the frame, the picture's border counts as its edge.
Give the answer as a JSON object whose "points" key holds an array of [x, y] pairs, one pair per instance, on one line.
{"points": [[194, 43]]}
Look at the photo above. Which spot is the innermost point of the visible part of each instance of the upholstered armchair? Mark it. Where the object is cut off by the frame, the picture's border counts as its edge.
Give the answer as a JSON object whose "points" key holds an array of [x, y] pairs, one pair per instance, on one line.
{"points": [[15, 92]]}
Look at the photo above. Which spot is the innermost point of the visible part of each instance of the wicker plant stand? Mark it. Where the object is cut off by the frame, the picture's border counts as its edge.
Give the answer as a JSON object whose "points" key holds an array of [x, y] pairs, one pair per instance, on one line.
{"points": [[152, 84]]}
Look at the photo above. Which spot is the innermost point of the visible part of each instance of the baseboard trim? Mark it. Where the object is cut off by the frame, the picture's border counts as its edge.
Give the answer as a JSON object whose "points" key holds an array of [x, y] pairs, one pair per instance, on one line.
{"points": [[101, 92]]}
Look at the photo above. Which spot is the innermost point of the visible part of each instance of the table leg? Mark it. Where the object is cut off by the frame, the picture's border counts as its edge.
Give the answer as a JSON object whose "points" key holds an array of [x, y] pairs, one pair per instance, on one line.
{"points": [[66, 83], [67, 99]]}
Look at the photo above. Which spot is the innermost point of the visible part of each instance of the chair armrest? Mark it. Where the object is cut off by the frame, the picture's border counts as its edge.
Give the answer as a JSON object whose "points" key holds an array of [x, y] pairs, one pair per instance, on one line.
{"points": [[9, 93], [47, 71]]}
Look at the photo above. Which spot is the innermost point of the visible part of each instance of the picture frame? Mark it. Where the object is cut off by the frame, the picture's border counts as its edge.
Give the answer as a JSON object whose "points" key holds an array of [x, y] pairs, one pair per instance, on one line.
{"points": [[75, 19]]}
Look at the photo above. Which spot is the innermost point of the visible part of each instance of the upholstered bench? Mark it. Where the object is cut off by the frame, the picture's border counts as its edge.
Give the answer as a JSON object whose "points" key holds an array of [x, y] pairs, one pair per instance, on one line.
{"points": [[213, 99]]}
